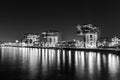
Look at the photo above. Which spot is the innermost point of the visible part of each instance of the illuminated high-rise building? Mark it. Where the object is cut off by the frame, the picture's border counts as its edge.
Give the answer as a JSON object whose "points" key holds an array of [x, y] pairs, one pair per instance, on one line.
{"points": [[51, 38], [90, 35]]}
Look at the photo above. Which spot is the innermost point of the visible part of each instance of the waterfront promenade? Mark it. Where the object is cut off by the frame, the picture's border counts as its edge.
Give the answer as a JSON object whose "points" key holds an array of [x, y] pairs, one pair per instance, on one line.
{"points": [[72, 48]]}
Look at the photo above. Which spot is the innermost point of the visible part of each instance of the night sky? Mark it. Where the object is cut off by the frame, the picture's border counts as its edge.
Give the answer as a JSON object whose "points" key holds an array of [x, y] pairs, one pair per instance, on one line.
{"points": [[18, 18]]}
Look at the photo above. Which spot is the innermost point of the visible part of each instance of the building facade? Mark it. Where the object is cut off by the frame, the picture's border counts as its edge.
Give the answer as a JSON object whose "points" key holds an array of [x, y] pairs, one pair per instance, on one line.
{"points": [[31, 39], [50, 38], [91, 40], [90, 34]]}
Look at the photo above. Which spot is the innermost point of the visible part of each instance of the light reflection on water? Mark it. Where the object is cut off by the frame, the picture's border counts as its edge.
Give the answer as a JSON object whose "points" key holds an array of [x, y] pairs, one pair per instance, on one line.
{"points": [[68, 64]]}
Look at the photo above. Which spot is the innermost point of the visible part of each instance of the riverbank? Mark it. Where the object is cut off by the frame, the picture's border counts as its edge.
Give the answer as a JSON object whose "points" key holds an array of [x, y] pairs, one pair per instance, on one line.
{"points": [[72, 48]]}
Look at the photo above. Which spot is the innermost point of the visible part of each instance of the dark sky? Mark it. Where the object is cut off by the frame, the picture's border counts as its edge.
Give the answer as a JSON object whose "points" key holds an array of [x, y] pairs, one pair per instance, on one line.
{"points": [[18, 18]]}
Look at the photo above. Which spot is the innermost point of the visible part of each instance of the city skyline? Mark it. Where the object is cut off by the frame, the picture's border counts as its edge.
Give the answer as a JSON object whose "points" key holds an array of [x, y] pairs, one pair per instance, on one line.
{"points": [[18, 18]]}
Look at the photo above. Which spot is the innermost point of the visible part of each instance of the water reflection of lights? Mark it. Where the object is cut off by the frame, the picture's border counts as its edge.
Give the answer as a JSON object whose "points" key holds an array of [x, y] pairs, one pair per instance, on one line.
{"points": [[98, 61], [58, 59], [91, 61], [24, 52], [69, 58], [104, 59], [79, 62], [87, 60], [76, 59], [9, 54], [51, 57], [30, 58], [33, 61], [48, 60], [45, 60], [83, 60], [113, 64], [63, 53]]}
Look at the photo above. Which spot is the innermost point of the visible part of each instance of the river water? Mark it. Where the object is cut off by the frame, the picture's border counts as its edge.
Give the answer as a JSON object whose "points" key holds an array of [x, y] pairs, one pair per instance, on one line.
{"points": [[49, 64]]}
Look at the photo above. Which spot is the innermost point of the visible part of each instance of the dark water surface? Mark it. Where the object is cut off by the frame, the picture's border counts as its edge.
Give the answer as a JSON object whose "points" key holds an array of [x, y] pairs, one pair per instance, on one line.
{"points": [[50, 64]]}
